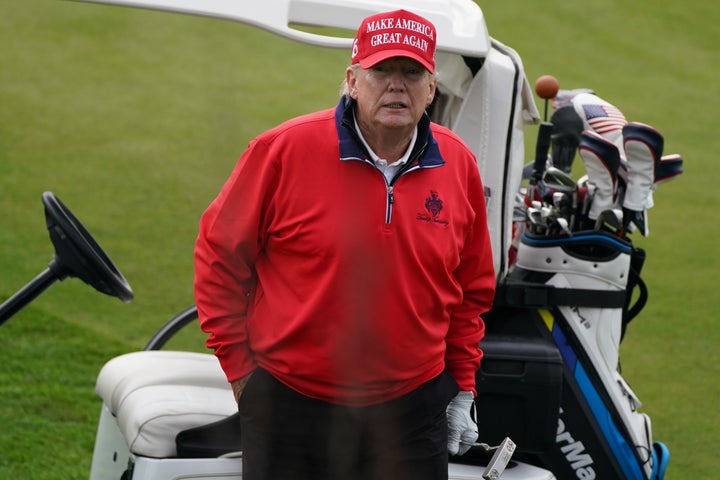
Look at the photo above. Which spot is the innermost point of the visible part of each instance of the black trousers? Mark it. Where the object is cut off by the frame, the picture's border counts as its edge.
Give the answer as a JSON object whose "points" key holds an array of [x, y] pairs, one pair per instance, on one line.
{"points": [[287, 436]]}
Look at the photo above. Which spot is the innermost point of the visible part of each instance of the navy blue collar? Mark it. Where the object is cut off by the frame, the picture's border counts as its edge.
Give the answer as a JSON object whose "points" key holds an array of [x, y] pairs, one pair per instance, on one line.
{"points": [[425, 152]]}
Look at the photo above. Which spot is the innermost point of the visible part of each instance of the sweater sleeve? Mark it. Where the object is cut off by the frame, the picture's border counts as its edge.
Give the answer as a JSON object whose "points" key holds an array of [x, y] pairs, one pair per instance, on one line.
{"points": [[229, 240], [476, 275]]}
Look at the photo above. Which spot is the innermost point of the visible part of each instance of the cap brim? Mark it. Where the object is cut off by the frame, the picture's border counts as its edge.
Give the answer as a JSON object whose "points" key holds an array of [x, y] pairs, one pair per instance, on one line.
{"points": [[372, 60]]}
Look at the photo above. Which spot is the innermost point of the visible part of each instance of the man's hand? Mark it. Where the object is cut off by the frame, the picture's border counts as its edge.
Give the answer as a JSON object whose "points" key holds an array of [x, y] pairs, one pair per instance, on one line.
{"points": [[239, 385], [462, 429]]}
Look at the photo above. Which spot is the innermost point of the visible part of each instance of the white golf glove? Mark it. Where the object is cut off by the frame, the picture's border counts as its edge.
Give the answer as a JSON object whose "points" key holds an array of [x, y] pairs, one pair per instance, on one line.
{"points": [[462, 429]]}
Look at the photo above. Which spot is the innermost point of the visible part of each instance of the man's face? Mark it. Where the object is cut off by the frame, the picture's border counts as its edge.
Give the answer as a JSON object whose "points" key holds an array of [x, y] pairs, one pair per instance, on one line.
{"points": [[392, 94]]}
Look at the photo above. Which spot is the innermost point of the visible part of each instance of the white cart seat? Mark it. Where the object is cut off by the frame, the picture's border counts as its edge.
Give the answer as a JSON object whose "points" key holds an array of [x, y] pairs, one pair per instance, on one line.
{"points": [[154, 395]]}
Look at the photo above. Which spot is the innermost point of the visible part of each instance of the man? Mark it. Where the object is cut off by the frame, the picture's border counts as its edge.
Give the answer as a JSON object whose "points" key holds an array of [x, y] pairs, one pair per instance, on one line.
{"points": [[341, 273]]}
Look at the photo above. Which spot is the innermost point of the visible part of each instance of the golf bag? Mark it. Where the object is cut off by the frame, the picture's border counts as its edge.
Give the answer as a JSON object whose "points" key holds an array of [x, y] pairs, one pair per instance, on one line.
{"points": [[571, 294]]}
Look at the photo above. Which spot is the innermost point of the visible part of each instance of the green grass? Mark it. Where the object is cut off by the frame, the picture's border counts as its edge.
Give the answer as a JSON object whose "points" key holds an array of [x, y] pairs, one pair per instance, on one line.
{"points": [[135, 118]]}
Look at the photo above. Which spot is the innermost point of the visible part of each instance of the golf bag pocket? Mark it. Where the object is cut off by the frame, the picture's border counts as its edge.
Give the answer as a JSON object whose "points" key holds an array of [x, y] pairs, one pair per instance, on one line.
{"points": [[586, 276]]}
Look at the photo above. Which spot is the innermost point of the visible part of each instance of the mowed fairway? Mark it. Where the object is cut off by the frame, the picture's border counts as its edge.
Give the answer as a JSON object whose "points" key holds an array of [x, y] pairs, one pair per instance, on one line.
{"points": [[135, 118]]}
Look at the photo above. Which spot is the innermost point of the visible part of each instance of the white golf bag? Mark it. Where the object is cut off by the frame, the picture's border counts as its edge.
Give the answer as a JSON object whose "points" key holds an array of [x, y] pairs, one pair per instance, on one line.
{"points": [[574, 292]]}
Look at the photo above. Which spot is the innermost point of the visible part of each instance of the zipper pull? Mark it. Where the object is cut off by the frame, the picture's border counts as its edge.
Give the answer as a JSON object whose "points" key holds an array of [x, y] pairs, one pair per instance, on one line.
{"points": [[391, 195]]}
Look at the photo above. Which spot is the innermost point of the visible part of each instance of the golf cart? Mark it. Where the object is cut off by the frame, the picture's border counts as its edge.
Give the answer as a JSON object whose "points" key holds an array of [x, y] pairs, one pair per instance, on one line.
{"points": [[549, 378]]}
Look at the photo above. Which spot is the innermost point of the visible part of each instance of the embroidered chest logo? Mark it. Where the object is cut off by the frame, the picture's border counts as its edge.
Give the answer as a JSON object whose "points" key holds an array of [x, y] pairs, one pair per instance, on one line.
{"points": [[433, 205]]}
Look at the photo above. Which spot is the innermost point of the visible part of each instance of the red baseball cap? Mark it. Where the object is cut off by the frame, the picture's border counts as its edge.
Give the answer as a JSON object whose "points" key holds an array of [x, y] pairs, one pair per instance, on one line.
{"points": [[395, 34]]}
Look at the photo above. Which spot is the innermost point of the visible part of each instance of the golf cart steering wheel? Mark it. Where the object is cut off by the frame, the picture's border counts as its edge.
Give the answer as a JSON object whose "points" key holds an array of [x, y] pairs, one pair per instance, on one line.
{"points": [[77, 254]]}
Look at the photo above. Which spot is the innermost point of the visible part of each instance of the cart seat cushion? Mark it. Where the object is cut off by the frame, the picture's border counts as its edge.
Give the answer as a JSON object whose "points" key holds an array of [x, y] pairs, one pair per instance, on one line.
{"points": [[154, 395]]}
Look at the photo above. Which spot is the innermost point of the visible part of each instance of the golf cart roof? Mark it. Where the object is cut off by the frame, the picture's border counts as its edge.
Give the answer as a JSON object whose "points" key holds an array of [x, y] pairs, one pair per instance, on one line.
{"points": [[460, 23]]}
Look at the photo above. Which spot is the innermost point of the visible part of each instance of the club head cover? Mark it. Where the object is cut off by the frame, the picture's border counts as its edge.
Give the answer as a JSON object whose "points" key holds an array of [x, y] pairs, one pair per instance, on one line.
{"points": [[601, 117], [602, 160], [565, 137], [669, 168], [643, 151]]}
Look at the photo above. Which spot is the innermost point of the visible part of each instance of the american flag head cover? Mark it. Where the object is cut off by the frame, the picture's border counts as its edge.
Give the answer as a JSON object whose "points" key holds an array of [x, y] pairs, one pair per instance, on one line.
{"points": [[604, 118]]}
